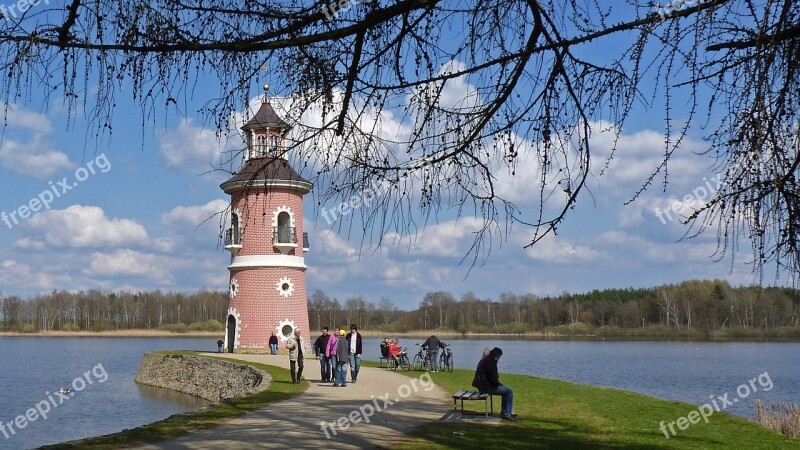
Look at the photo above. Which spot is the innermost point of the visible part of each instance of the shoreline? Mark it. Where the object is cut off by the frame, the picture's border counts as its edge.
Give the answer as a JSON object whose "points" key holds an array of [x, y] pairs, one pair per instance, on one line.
{"points": [[423, 334], [142, 333]]}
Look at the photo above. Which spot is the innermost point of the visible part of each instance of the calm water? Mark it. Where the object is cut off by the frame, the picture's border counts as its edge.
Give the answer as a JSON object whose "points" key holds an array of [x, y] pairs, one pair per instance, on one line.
{"points": [[684, 371], [30, 367]]}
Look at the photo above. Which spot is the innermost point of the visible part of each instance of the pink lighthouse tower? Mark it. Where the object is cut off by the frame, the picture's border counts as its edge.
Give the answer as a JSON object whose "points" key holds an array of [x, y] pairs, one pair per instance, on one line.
{"points": [[267, 291]]}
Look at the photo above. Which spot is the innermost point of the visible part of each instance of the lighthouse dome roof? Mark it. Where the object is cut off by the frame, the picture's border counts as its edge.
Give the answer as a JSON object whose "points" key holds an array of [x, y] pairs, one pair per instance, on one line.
{"points": [[266, 117], [267, 171]]}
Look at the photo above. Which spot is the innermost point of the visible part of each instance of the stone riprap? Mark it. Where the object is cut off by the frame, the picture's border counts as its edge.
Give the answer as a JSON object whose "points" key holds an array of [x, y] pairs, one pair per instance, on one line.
{"points": [[206, 378]]}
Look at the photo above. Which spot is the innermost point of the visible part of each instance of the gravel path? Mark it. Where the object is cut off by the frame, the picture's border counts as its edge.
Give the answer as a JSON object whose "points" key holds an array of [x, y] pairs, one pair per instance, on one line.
{"points": [[391, 403]]}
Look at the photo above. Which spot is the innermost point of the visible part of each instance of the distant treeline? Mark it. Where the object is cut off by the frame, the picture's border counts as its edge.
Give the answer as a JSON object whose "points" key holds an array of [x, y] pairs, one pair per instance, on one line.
{"points": [[100, 311], [697, 308]]}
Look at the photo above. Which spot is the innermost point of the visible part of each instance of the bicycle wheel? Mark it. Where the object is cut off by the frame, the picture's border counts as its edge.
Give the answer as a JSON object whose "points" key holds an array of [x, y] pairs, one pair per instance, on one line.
{"points": [[417, 362], [428, 363], [404, 363], [392, 363], [449, 365]]}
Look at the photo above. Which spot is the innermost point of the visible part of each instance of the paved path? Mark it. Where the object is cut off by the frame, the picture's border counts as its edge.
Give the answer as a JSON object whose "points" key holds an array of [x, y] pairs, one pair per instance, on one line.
{"points": [[295, 423]]}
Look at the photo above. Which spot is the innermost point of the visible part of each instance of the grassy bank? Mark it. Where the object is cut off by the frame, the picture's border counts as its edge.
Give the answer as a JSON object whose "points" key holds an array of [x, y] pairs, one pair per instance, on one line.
{"points": [[181, 424], [561, 415]]}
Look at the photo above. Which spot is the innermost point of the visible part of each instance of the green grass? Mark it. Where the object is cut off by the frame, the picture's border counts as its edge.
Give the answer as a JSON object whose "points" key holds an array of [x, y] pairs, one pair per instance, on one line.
{"points": [[561, 415], [178, 425]]}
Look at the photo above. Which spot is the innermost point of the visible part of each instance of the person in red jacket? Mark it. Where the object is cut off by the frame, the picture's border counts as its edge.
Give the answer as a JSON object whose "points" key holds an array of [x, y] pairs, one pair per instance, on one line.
{"points": [[487, 380]]}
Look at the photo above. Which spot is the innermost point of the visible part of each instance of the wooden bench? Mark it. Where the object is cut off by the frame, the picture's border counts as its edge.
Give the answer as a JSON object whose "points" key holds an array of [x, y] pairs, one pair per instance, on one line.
{"points": [[464, 394]]}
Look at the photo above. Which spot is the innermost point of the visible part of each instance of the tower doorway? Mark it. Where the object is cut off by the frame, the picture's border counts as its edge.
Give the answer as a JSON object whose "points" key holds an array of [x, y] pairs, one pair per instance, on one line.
{"points": [[231, 328]]}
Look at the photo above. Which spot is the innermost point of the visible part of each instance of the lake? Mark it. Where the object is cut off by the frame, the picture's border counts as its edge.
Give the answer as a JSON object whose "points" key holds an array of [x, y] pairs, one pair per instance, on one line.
{"points": [[34, 368]]}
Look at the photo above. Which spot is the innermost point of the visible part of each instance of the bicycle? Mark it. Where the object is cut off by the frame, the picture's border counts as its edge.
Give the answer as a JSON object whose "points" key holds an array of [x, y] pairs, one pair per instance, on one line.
{"points": [[422, 360], [401, 360], [446, 358]]}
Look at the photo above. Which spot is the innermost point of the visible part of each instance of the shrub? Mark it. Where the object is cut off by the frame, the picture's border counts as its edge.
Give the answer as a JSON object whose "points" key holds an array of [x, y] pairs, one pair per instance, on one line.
{"points": [[209, 325], [27, 328], [175, 327], [783, 418], [70, 327]]}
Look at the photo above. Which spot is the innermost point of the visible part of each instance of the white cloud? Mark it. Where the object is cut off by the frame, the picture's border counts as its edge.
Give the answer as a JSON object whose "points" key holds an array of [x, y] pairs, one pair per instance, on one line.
{"points": [[13, 272], [18, 116], [127, 262], [190, 217], [448, 239], [34, 158], [559, 250], [79, 227], [190, 148], [331, 247]]}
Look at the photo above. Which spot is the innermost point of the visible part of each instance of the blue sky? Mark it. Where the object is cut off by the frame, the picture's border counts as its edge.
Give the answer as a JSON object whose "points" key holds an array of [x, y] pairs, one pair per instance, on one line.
{"points": [[142, 223]]}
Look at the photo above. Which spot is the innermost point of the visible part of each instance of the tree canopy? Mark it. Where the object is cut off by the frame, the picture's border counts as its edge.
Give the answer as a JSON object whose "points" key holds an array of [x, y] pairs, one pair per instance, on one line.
{"points": [[375, 75]]}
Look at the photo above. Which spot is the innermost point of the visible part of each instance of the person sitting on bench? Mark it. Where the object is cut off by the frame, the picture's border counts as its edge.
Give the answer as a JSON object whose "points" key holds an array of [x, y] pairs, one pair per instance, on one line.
{"points": [[487, 381]]}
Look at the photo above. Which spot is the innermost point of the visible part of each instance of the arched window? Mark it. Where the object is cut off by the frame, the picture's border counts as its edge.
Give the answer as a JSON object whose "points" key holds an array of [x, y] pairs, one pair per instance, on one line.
{"points": [[284, 233], [273, 145], [260, 146], [236, 234]]}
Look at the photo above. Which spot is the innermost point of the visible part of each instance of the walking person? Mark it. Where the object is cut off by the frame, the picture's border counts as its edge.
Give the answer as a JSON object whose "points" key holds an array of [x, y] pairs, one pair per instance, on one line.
{"points": [[354, 339], [320, 345], [295, 346], [342, 358], [433, 344], [220, 342], [330, 353], [273, 344], [487, 380]]}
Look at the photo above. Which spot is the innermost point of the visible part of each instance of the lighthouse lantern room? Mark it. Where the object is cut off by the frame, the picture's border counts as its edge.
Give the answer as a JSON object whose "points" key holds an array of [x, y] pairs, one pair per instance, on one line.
{"points": [[267, 291]]}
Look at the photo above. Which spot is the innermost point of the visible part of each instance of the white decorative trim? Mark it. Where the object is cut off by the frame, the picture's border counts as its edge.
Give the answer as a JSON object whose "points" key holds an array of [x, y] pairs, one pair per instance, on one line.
{"points": [[288, 291], [254, 261], [302, 186], [280, 326], [233, 288], [277, 212], [233, 312]]}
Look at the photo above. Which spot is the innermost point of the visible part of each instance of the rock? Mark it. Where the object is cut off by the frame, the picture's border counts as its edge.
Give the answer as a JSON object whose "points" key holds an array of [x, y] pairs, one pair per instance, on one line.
{"points": [[206, 378]]}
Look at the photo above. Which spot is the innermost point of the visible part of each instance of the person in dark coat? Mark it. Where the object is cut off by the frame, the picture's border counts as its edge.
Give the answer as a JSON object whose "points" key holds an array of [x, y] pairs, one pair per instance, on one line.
{"points": [[320, 346], [487, 380], [342, 358], [433, 344], [273, 344], [354, 338]]}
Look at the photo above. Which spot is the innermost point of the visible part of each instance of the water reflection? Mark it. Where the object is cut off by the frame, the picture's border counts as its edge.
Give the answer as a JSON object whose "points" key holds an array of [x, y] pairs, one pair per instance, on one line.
{"points": [[157, 394]]}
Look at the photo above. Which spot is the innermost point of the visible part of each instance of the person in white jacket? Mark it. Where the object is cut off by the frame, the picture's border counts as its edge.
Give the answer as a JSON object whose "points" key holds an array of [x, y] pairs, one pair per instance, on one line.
{"points": [[296, 345]]}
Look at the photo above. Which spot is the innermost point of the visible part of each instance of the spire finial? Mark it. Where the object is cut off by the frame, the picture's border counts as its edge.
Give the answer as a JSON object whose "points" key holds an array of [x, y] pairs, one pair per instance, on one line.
{"points": [[266, 86]]}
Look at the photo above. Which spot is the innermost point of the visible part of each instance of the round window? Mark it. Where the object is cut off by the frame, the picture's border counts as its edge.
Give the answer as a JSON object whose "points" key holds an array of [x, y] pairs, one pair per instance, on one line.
{"points": [[285, 287], [287, 331]]}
